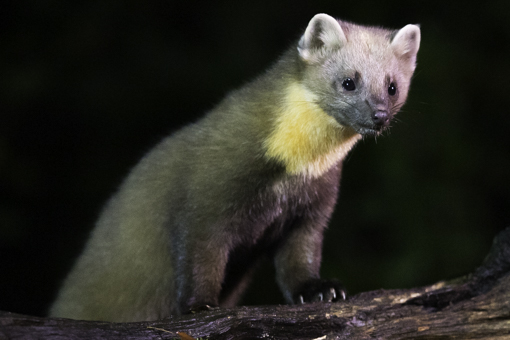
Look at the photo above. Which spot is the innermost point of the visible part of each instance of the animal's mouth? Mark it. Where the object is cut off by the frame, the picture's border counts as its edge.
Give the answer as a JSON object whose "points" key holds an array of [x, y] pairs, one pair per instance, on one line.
{"points": [[369, 130], [365, 127]]}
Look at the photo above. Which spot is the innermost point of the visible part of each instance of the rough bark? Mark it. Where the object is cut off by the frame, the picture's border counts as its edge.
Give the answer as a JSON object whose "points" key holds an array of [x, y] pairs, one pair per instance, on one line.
{"points": [[472, 307]]}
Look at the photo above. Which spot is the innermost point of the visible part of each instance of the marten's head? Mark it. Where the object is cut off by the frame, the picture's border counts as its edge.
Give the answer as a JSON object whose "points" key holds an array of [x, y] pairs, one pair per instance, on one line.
{"points": [[359, 75], [352, 81]]}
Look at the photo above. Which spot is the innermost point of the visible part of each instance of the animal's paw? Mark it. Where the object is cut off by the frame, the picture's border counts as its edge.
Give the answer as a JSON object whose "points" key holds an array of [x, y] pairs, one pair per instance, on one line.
{"points": [[202, 308], [320, 290]]}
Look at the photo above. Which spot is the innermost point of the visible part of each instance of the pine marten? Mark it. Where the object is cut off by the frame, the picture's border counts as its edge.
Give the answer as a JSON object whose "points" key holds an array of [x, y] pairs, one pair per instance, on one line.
{"points": [[257, 176]]}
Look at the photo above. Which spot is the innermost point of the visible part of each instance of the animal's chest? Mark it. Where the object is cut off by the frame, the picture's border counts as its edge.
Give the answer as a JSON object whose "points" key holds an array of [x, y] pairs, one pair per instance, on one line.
{"points": [[280, 206]]}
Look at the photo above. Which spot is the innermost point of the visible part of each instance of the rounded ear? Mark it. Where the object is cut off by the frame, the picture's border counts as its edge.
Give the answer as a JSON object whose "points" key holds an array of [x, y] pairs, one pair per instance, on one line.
{"points": [[323, 32], [406, 43]]}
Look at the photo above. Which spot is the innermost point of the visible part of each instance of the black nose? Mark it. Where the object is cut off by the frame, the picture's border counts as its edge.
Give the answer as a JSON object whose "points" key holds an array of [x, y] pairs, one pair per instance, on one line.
{"points": [[380, 118]]}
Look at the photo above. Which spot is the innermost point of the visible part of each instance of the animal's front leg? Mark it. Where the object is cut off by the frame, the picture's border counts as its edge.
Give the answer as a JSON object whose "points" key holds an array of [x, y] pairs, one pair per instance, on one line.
{"points": [[297, 265], [200, 270]]}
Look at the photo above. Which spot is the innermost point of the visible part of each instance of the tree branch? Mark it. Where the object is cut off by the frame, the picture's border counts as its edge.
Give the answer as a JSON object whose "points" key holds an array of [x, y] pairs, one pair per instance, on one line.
{"points": [[473, 307]]}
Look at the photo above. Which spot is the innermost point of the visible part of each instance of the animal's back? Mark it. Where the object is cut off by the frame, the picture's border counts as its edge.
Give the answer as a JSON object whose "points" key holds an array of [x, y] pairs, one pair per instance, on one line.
{"points": [[125, 272]]}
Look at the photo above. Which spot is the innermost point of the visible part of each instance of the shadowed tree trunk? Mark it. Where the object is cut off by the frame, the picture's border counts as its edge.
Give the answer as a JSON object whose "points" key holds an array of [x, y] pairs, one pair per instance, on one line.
{"points": [[473, 307]]}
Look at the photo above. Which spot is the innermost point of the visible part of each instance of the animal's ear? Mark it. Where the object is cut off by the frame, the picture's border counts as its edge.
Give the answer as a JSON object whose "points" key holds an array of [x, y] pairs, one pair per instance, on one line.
{"points": [[323, 32], [406, 42]]}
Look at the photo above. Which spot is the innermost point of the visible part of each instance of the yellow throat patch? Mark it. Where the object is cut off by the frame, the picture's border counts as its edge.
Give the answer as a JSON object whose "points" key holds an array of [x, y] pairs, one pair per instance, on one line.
{"points": [[305, 138]]}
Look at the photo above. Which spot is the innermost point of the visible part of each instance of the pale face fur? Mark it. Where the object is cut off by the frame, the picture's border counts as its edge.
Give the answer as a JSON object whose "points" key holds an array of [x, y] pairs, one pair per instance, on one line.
{"points": [[322, 119], [372, 58]]}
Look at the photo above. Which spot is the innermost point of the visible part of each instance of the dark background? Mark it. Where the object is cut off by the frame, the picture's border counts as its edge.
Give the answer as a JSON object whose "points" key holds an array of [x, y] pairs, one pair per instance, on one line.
{"points": [[87, 87]]}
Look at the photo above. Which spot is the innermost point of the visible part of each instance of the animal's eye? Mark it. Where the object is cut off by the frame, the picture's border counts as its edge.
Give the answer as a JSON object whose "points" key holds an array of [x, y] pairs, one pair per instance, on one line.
{"points": [[392, 89], [348, 84]]}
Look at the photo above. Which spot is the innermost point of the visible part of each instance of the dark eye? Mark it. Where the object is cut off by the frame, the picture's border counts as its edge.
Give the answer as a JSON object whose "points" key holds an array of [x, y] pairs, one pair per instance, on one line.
{"points": [[392, 89], [348, 84]]}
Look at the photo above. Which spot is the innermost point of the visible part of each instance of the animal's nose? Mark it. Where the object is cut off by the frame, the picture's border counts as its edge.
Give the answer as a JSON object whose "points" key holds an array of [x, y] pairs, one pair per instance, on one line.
{"points": [[380, 118]]}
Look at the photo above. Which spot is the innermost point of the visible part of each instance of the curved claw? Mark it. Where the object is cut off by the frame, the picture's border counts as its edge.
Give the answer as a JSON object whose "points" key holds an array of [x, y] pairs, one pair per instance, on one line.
{"points": [[318, 290], [333, 294]]}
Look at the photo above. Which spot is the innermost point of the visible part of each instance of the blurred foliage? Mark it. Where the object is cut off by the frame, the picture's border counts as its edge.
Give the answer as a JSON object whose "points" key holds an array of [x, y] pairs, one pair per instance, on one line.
{"points": [[87, 87]]}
